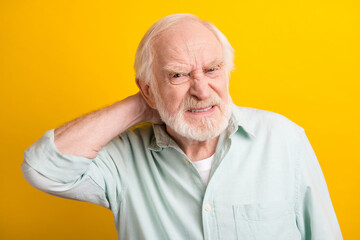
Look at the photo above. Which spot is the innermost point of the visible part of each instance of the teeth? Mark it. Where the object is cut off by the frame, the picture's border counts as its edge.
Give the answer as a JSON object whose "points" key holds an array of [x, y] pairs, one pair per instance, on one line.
{"points": [[201, 110]]}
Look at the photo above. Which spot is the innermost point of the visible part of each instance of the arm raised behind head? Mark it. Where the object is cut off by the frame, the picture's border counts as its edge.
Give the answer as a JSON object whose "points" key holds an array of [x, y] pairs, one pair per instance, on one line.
{"points": [[67, 161], [86, 135]]}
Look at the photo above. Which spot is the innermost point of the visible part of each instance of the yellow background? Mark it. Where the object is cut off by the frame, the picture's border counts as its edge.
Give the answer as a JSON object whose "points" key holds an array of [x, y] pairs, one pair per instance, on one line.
{"points": [[60, 60]]}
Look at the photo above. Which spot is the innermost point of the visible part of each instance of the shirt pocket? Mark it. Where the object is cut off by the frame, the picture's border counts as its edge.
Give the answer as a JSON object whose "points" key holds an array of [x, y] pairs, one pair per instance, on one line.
{"points": [[265, 221]]}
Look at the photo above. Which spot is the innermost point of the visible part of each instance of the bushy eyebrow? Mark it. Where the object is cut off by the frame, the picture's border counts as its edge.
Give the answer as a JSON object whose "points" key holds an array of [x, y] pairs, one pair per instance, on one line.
{"points": [[216, 63], [175, 69], [180, 69]]}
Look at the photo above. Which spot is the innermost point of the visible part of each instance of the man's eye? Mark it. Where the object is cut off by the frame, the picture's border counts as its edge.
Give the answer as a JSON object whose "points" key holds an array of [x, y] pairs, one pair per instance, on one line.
{"points": [[212, 69], [177, 75]]}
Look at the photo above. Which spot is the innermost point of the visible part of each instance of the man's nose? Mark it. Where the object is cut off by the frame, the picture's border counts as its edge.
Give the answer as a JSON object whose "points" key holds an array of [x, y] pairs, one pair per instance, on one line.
{"points": [[200, 87]]}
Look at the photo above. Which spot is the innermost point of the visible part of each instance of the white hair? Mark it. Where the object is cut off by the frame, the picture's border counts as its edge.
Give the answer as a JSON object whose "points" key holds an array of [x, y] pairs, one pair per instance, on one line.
{"points": [[145, 53]]}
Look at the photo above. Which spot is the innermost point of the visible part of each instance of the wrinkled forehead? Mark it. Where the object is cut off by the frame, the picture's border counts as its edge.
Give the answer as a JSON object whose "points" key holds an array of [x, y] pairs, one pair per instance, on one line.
{"points": [[187, 43]]}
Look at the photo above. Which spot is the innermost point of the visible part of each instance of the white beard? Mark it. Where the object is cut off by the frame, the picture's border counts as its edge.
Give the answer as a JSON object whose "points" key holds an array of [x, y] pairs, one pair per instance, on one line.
{"points": [[206, 128]]}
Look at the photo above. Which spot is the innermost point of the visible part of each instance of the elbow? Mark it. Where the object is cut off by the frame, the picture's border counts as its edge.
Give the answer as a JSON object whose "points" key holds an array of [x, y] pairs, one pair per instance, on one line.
{"points": [[34, 178], [42, 182]]}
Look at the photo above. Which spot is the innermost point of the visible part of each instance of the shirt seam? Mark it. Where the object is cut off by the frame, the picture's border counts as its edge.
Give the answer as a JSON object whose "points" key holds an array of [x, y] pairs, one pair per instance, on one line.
{"points": [[298, 181], [126, 161], [106, 199]]}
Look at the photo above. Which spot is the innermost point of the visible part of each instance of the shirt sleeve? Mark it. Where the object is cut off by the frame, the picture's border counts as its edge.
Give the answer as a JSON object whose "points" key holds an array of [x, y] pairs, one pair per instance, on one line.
{"points": [[315, 214], [99, 180]]}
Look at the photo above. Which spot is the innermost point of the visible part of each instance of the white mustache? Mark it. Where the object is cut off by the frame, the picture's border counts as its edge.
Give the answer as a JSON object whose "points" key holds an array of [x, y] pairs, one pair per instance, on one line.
{"points": [[192, 103]]}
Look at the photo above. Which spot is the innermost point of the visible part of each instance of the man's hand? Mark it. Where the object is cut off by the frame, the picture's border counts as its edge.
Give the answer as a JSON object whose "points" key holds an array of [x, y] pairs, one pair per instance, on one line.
{"points": [[150, 115]]}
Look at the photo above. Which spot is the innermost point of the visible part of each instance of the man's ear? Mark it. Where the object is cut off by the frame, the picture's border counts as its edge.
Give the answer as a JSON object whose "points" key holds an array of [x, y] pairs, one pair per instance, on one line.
{"points": [[146, 92]]}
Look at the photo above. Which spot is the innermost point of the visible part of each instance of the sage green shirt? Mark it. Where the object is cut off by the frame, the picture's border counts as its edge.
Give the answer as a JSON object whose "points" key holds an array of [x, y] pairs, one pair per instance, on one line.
{"points": [[265, 183]]}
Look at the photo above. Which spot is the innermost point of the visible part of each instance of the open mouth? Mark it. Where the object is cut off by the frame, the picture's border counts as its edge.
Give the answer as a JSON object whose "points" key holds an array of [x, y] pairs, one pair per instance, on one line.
{"points": [[199, 110]]}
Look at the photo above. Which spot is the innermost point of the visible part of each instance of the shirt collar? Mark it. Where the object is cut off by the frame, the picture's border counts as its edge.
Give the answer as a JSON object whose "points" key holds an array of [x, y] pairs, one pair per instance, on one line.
{"points": [[162, 139], [238, 119]]}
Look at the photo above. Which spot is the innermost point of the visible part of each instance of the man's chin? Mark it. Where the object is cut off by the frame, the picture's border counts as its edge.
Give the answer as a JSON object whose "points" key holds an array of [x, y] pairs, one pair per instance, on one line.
{"points": [[198, 128], [200, 132]]}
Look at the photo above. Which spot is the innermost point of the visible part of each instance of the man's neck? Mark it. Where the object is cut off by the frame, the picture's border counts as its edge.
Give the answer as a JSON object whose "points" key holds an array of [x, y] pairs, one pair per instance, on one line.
{"points": [[194, 150]]}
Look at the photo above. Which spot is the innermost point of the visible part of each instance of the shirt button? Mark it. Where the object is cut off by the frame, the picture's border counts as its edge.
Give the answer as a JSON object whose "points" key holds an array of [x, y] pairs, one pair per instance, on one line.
{"points": [[187, 162], [207, 207]]}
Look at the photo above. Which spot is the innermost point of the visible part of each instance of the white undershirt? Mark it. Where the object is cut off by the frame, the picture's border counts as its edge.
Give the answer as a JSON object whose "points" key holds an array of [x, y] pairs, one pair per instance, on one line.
{"points": [[204, 167]]}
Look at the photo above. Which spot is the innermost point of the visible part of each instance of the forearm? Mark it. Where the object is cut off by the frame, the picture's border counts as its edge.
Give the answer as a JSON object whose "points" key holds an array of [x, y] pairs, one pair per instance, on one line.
{"points": [[86, 135]]}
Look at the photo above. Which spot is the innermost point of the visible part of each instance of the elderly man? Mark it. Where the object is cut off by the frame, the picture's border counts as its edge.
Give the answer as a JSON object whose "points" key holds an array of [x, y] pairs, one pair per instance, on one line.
{"points": [[201, 168]]}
